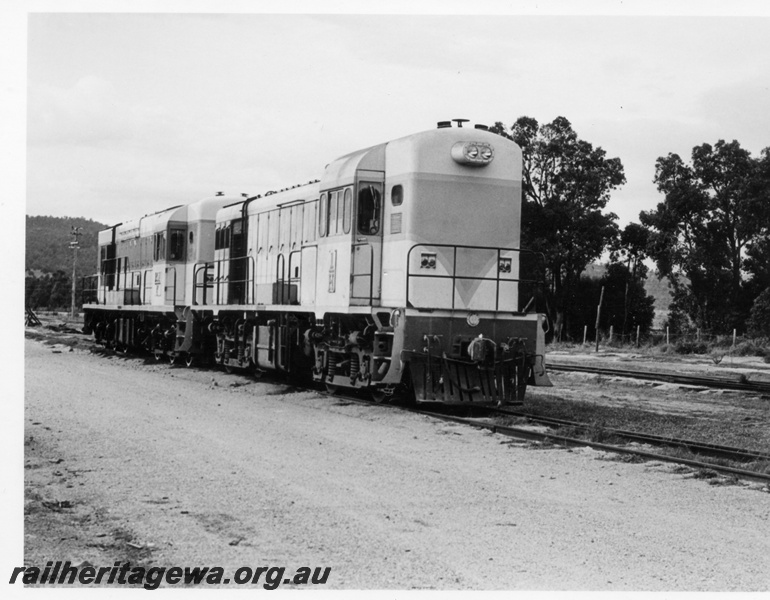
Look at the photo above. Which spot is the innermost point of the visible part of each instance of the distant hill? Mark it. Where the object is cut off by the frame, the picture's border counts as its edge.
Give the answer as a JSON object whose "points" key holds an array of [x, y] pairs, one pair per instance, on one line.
{"points": [[47, 245], [660, 289]]}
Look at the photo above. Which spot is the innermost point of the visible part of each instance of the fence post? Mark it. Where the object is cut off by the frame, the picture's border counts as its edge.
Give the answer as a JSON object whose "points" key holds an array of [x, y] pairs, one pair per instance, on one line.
{"points": [[598, 314], [585, 333], [637, 336], [611, 332], [667, 342], [734, 335]]}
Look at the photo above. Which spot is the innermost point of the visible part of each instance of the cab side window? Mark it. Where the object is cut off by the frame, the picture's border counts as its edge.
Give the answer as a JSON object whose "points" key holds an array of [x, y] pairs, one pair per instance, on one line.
{"points": [[323, 215], [176, 245], [159, 247], [347, 210], [369, 206]]}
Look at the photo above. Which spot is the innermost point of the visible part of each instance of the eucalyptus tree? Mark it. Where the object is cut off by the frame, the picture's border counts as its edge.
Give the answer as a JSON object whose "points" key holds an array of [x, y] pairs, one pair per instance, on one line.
{"points": [[713, 216], [566, 186]]}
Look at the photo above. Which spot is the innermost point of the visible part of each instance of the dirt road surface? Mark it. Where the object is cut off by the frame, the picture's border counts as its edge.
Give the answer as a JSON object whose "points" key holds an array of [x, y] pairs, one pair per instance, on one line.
{"points": [[164, 466]]}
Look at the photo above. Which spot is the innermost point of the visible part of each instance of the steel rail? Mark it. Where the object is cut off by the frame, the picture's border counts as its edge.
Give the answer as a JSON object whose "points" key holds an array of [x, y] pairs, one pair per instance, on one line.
{"points": [[563, 441], [568, 442], [713, 382], [715, 450]]}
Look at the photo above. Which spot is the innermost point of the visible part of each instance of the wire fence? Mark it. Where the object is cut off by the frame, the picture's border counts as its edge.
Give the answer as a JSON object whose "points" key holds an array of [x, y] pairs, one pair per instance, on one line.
{"points": [[697, 341]]}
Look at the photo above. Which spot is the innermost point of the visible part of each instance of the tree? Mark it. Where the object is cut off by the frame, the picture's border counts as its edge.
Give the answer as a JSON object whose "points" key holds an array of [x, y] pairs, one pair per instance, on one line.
{"points": [[759, 322], [631, 247], [49, 291], [757, 263], [701, 233], [566, 185], [626, 304]]}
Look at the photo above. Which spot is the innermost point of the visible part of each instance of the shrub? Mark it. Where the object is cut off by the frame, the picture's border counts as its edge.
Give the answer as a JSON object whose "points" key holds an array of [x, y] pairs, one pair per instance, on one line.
{"points": [[758, 347], [691, 347]]}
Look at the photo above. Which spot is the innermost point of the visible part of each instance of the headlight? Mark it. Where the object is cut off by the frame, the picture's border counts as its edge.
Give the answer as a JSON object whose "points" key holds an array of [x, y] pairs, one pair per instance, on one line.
{"points": [[476, 154], [428, 260], [473, 319]]}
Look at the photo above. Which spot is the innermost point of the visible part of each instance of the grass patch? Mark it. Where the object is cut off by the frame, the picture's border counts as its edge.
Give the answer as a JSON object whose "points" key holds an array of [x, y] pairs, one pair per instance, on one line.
{"points": [[592, 432], [599, 420], [624, 458], [705, 474], [599, 417]]}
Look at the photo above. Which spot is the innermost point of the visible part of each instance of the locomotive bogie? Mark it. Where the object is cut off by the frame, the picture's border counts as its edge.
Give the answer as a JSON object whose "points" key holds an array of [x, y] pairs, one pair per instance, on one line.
{"points": [[150, 331]]}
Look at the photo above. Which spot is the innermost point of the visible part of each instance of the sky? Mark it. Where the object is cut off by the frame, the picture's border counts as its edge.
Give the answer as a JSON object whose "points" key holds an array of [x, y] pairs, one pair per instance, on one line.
{"points": [[128, 113]]}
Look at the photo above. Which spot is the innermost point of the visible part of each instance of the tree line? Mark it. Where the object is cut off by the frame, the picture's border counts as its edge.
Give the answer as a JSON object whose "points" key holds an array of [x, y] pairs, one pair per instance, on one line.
{"points": [[48, 259], [709, 236]]}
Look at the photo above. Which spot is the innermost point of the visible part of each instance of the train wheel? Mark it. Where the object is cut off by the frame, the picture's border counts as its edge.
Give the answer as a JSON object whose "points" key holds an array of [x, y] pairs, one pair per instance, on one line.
{"points": [[158, 357], [380, 397], [331, 388], [189, 360]]}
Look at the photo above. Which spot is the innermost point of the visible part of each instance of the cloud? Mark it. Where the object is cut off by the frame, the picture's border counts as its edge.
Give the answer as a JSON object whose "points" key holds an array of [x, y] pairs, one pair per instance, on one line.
{"points": [[739, 111], [87, 113]]}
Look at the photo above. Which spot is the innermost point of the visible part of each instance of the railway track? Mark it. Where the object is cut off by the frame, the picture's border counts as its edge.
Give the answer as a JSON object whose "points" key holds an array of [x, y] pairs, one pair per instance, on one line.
{"points": [[712, 382], [553, 437], [571, 442], [700, 448]]}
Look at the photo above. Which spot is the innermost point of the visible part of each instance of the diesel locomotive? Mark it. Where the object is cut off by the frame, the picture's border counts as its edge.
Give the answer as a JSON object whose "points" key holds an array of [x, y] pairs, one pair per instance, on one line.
{"points": [[398, 271]]}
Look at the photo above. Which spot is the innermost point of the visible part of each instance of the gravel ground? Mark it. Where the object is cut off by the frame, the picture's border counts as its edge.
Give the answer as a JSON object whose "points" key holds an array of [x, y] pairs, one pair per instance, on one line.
{"points": [[166, 466]]}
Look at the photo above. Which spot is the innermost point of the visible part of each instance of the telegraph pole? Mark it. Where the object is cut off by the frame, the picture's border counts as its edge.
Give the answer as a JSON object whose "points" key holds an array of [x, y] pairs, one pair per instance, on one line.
{"points": [[75, 245]]}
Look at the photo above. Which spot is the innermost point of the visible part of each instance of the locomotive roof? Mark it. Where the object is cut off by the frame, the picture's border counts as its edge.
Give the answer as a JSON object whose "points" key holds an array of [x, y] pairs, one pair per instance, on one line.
{"points": [[269, 201], [200, 210], [342, 171]]}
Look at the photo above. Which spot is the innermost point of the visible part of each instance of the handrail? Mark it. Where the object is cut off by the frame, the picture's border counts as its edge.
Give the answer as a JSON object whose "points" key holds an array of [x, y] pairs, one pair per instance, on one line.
{"points": [[198, 268], [280, 267], [219, 279], [454, 277], [117, 279], [298, 280], [89, 291]]}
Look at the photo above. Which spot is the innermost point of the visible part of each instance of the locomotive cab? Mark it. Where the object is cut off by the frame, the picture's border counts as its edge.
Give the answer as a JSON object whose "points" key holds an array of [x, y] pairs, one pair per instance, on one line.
{"points": [[419, 270]]}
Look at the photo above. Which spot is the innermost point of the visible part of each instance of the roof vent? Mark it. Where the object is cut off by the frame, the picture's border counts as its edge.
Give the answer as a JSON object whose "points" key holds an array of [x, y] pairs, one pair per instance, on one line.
{"points": [[460, 121], [444, 124], [482, 127], [220, 193]]}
